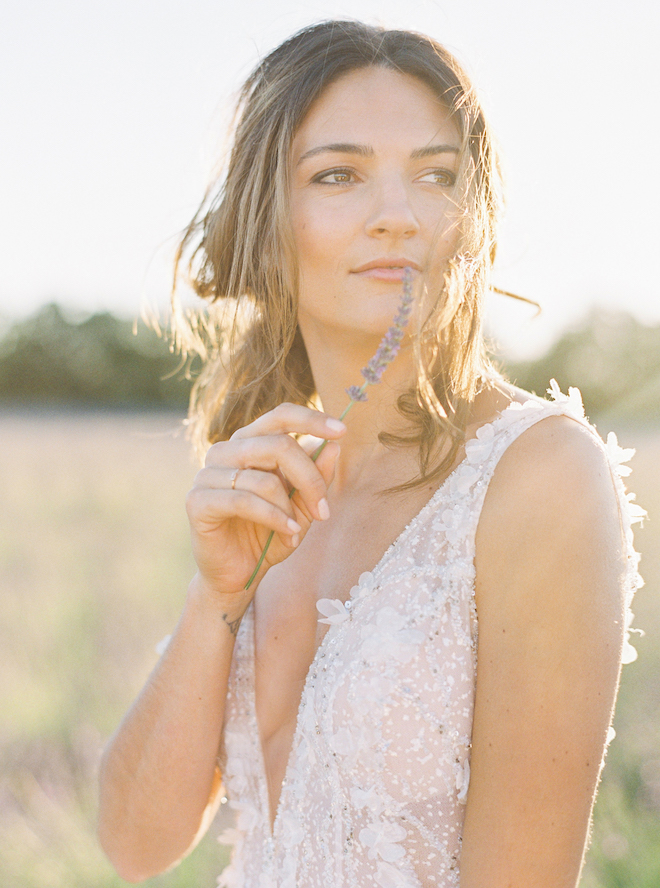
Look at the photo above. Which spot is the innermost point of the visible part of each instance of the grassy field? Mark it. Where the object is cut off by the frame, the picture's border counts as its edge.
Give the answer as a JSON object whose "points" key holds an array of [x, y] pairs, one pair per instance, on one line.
{"points": [[94, 561]]}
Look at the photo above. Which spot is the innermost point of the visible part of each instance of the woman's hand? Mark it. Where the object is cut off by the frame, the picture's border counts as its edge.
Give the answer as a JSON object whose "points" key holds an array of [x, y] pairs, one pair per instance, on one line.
{"points": [[242, 494]]}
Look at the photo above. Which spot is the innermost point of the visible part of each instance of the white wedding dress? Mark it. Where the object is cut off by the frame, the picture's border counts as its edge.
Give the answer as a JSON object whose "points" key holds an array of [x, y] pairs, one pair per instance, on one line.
{"points": [[376, 783]]}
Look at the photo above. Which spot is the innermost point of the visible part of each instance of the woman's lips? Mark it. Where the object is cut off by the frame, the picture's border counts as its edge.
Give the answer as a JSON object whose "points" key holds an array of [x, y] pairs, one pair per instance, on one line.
{"points": [[385, 272]]}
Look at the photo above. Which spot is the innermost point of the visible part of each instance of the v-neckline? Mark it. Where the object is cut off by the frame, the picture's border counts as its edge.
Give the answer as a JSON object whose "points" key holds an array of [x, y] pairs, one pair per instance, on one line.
{"points": [[393, 546]]}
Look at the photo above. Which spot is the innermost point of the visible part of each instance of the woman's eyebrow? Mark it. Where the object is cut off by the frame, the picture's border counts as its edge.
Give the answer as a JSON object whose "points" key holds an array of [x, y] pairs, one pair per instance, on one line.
{"points": [[430, 150], [367, 151], [338, 148]]}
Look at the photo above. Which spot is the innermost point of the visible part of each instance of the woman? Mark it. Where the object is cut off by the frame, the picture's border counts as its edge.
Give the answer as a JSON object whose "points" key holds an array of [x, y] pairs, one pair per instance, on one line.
{"points": [[389, 743]]}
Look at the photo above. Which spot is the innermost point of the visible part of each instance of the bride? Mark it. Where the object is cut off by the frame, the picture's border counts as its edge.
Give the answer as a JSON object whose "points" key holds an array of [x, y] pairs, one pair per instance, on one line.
{"points": [[413, 686]]}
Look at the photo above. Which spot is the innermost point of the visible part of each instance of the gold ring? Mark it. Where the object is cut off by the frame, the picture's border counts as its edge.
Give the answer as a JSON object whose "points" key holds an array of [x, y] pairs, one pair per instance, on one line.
{"points": [[233, 478]]}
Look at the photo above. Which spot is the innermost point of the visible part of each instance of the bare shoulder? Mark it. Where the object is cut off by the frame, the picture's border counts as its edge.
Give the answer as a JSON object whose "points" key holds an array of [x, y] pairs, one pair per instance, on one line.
{"points": [[551, 515], [556, 467]]}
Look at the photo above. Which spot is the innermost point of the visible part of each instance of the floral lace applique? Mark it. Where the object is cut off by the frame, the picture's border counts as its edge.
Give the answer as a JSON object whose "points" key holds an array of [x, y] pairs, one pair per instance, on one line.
{"points": [[365, 586], [381, 837], [388, 876], [387, 637], [572, 401], [333, 609]]}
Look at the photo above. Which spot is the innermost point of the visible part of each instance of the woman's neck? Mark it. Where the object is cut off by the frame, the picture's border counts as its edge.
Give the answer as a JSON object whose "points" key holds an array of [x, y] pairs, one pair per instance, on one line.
{"points": [[334, 370]]}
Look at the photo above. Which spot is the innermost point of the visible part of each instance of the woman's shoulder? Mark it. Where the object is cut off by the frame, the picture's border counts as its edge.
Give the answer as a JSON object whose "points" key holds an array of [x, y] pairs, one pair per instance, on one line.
{"points": [[557, 520], [550, 533], [548, 435], [556, 475]]}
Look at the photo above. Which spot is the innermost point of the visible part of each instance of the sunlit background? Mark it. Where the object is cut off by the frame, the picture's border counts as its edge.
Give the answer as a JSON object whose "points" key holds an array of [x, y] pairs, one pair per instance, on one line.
{"points": [[112, 117]]}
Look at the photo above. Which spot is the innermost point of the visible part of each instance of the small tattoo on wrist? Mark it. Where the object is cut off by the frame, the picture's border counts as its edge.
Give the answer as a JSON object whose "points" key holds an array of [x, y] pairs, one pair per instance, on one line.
{"points": [[232, 624]]}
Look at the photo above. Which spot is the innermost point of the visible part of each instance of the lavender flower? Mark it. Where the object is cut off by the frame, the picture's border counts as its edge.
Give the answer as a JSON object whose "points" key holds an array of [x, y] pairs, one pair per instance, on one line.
{"points": [[372, 373], [389, 345], [355, 393]]}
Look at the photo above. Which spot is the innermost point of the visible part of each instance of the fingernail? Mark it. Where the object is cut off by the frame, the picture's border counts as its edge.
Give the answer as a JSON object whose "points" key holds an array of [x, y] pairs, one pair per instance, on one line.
{"points": [[295, 540], [324, 509], [293, 526], [335, 425]]}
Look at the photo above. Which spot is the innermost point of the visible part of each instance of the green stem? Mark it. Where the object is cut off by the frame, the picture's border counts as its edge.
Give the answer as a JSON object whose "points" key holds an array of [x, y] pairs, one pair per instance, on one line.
{"points": [[315, 456]]}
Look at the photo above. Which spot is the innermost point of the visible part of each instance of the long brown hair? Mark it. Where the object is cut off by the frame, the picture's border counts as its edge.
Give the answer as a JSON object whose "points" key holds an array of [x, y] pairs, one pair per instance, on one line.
{"points": [[242, 261]]}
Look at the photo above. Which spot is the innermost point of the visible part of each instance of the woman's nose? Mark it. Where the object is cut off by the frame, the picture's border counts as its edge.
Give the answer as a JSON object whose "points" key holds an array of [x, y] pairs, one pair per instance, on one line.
{"points": [[392, 213]]}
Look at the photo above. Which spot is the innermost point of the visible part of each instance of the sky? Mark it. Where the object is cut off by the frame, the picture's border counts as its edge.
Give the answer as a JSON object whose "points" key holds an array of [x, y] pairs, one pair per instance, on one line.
{"points": [[113, 116]]}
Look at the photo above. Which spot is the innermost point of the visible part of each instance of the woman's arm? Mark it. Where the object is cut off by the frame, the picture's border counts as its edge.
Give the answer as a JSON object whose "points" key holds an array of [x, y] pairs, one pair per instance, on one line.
{"points": [[550, 598], [158, 774]]}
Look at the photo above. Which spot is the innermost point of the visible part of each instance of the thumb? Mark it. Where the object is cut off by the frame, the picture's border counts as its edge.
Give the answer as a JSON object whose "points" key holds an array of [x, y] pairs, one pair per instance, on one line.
{"points": [[327, 461]]}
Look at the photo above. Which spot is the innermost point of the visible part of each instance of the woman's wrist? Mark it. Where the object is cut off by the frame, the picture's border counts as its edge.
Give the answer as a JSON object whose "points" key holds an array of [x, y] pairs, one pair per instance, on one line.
{"points": [[225, 607]]}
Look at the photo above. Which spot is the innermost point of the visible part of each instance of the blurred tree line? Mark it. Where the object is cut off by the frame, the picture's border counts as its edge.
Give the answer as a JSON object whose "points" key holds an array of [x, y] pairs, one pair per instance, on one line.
{"points": [[612, 358], [101, 361], [51, 359]]}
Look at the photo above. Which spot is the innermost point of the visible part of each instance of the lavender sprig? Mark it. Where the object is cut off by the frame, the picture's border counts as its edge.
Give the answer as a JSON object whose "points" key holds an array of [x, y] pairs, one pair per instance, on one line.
{"points": [[372, 373], [389, 344]]}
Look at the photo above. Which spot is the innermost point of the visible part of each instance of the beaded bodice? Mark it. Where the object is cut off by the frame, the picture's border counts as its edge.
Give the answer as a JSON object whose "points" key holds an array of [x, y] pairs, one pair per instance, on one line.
{"points": [[378, 774]]}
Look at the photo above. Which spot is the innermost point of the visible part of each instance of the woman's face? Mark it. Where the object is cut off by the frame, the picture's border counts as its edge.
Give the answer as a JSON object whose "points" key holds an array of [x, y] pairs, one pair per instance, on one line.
{"points": [[373, 171]]}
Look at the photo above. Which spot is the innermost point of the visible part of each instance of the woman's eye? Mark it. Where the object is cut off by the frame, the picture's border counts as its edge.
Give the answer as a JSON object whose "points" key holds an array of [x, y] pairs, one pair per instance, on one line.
{"points": [[440, 177], [334, 177]]}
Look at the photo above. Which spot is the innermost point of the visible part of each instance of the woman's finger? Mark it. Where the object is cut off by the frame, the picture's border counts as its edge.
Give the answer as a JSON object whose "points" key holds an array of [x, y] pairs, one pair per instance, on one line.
{"points": [[208, 507], [278, 454], [268, 485], [326, 461], [293, 419]]}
